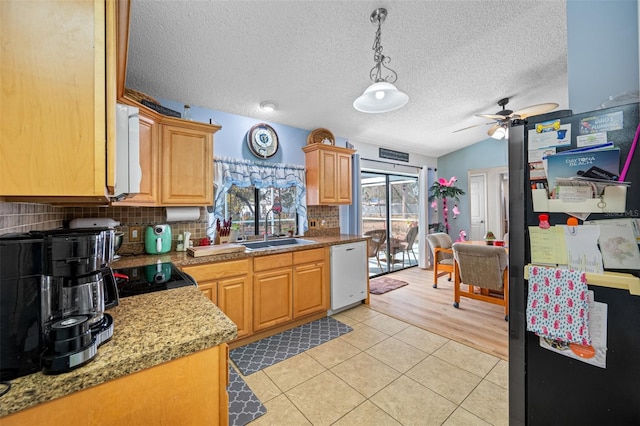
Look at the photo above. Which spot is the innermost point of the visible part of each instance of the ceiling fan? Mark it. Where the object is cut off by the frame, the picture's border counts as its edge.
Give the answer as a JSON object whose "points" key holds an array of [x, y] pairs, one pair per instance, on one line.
{"points": [[500, 119]]}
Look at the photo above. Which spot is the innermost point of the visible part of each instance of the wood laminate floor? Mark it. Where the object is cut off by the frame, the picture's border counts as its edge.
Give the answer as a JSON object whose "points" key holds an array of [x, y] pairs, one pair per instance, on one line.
{"points": [[477, 324]]}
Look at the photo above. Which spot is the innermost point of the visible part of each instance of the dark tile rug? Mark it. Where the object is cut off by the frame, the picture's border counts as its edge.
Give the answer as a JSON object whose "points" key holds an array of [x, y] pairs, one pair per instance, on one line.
{"points": [[273, 349], [244, 406]]}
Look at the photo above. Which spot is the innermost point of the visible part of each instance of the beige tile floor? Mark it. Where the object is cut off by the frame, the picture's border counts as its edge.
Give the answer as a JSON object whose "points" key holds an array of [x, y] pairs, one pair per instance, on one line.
{"points": [[385, 372]]}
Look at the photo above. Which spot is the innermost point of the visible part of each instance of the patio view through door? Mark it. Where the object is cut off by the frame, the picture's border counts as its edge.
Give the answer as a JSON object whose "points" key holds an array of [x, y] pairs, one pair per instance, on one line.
{"points": [[390, 207]]}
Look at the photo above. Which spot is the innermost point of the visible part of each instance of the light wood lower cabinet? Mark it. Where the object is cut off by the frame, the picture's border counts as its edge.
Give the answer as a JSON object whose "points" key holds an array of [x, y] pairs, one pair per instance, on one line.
{"points": [[209, 289], [310, 292], [272, 290], [271, 298], [267, 292], [227, 284], [186, 390], [234, 299]]}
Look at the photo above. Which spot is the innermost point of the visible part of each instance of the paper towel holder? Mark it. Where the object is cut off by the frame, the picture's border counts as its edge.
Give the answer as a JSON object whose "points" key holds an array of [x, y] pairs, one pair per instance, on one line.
{"points": [[182, 214]]}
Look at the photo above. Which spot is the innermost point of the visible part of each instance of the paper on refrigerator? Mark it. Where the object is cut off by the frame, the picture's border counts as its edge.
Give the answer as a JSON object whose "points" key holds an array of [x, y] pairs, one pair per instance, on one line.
{"points": [[618, 243], [572, 247], [582, 248]]}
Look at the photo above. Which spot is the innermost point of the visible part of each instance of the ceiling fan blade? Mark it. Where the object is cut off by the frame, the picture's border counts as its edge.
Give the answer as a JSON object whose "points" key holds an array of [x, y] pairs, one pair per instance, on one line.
{"points": [[470, 127], [492, 116], [493, 129], [534, 110]]}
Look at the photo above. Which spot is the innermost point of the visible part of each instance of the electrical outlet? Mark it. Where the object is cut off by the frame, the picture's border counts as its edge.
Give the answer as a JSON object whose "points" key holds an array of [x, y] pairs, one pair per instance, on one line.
{"points": [[313, 223], [135, 234]]}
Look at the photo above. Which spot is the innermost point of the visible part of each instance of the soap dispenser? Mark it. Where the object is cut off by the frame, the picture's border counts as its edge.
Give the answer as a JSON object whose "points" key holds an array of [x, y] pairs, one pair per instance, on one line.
{"points": [[180, 245]]}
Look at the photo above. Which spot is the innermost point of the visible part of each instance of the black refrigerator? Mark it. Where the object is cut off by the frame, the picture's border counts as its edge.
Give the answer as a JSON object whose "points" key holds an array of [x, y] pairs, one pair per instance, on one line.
{"points": [[545, 387]]}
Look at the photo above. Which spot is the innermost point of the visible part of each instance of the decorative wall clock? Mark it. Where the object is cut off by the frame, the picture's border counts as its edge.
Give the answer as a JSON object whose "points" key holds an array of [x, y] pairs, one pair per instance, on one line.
{"points": [[263, 141]]}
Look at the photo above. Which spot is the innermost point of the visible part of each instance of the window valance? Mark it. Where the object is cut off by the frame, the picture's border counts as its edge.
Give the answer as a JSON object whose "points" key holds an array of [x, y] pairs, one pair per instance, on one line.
{"points": [[246, 173]]}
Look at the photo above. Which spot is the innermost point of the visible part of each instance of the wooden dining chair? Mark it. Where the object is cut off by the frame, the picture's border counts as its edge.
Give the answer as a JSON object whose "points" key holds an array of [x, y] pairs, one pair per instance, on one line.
{"points": [[443, 262], [485, 272]]}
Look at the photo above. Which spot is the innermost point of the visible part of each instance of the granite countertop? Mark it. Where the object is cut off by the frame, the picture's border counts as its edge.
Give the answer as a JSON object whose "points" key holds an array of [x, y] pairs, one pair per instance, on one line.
{"points": [[149, 329], [183, 259]]}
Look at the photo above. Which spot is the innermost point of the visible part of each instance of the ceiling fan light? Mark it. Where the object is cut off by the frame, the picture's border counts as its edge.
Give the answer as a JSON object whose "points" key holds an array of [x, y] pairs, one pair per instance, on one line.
{"points": [[500, 133], [381, 97]]}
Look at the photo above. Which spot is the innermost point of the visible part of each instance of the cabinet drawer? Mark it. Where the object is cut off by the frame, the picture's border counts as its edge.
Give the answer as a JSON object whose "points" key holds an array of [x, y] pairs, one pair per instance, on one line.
{"points": [[272, 262], [307, 256], [213, 271]]}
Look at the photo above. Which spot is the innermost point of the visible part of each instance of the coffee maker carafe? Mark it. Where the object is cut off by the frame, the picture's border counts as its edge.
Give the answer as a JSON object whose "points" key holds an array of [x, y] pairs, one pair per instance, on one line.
{"points": [[76, 290]]}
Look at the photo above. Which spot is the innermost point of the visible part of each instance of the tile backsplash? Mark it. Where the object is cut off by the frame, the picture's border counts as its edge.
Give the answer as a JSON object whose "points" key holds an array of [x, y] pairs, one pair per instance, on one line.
{"points": [[142, 217], [327, 220], [24, 217]]}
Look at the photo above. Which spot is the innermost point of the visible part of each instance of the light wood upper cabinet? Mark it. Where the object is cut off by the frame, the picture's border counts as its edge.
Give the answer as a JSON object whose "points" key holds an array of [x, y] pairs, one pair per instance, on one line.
{"points": [[187, 166], [328, 171], [176, 158], [343, 179], [57, 91]]}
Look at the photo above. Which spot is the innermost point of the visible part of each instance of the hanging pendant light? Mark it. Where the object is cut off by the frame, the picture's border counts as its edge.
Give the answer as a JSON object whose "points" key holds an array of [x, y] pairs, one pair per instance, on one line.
{"points": [[382, 95]]}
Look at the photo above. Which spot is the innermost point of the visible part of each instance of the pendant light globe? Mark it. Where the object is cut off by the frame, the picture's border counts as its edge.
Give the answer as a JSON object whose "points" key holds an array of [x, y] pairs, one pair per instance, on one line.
{"points": [[381, 97]]}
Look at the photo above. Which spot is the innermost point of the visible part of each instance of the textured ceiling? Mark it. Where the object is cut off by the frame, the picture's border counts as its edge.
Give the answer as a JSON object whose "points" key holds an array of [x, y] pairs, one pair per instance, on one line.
{"points": [[453, 58]]}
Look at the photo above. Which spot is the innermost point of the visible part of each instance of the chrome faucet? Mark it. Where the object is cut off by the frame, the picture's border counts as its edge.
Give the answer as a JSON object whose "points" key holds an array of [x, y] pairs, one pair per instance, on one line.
{"points": [[266, 224]]}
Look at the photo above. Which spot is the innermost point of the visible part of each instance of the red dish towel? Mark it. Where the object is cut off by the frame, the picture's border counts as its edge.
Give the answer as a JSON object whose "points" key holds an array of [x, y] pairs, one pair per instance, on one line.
{"points": [[557, 305]]}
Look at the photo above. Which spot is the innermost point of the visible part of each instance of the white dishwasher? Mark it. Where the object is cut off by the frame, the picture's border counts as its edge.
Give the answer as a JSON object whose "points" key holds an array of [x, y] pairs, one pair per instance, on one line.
{"points": [[348, 275]]}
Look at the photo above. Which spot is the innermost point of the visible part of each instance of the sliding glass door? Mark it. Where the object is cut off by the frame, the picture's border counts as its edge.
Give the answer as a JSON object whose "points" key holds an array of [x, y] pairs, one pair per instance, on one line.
{"points": [[390, 214]]}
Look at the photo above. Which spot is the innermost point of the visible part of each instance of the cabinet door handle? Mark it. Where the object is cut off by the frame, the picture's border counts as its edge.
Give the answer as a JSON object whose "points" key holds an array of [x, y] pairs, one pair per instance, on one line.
{"points": [[349, 249]]}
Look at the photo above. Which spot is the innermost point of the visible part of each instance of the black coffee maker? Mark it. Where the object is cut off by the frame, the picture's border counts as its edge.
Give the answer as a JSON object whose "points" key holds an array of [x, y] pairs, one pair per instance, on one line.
{"points": [[53, 299], [76, 290]]}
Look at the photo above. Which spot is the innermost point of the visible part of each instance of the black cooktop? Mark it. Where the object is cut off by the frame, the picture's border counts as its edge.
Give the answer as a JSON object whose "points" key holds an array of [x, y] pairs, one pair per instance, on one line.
{"points": [[150, 278]]}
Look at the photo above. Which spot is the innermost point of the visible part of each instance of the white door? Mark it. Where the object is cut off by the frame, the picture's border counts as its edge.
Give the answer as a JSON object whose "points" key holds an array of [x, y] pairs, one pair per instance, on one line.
{"points": [[477, 197]]}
